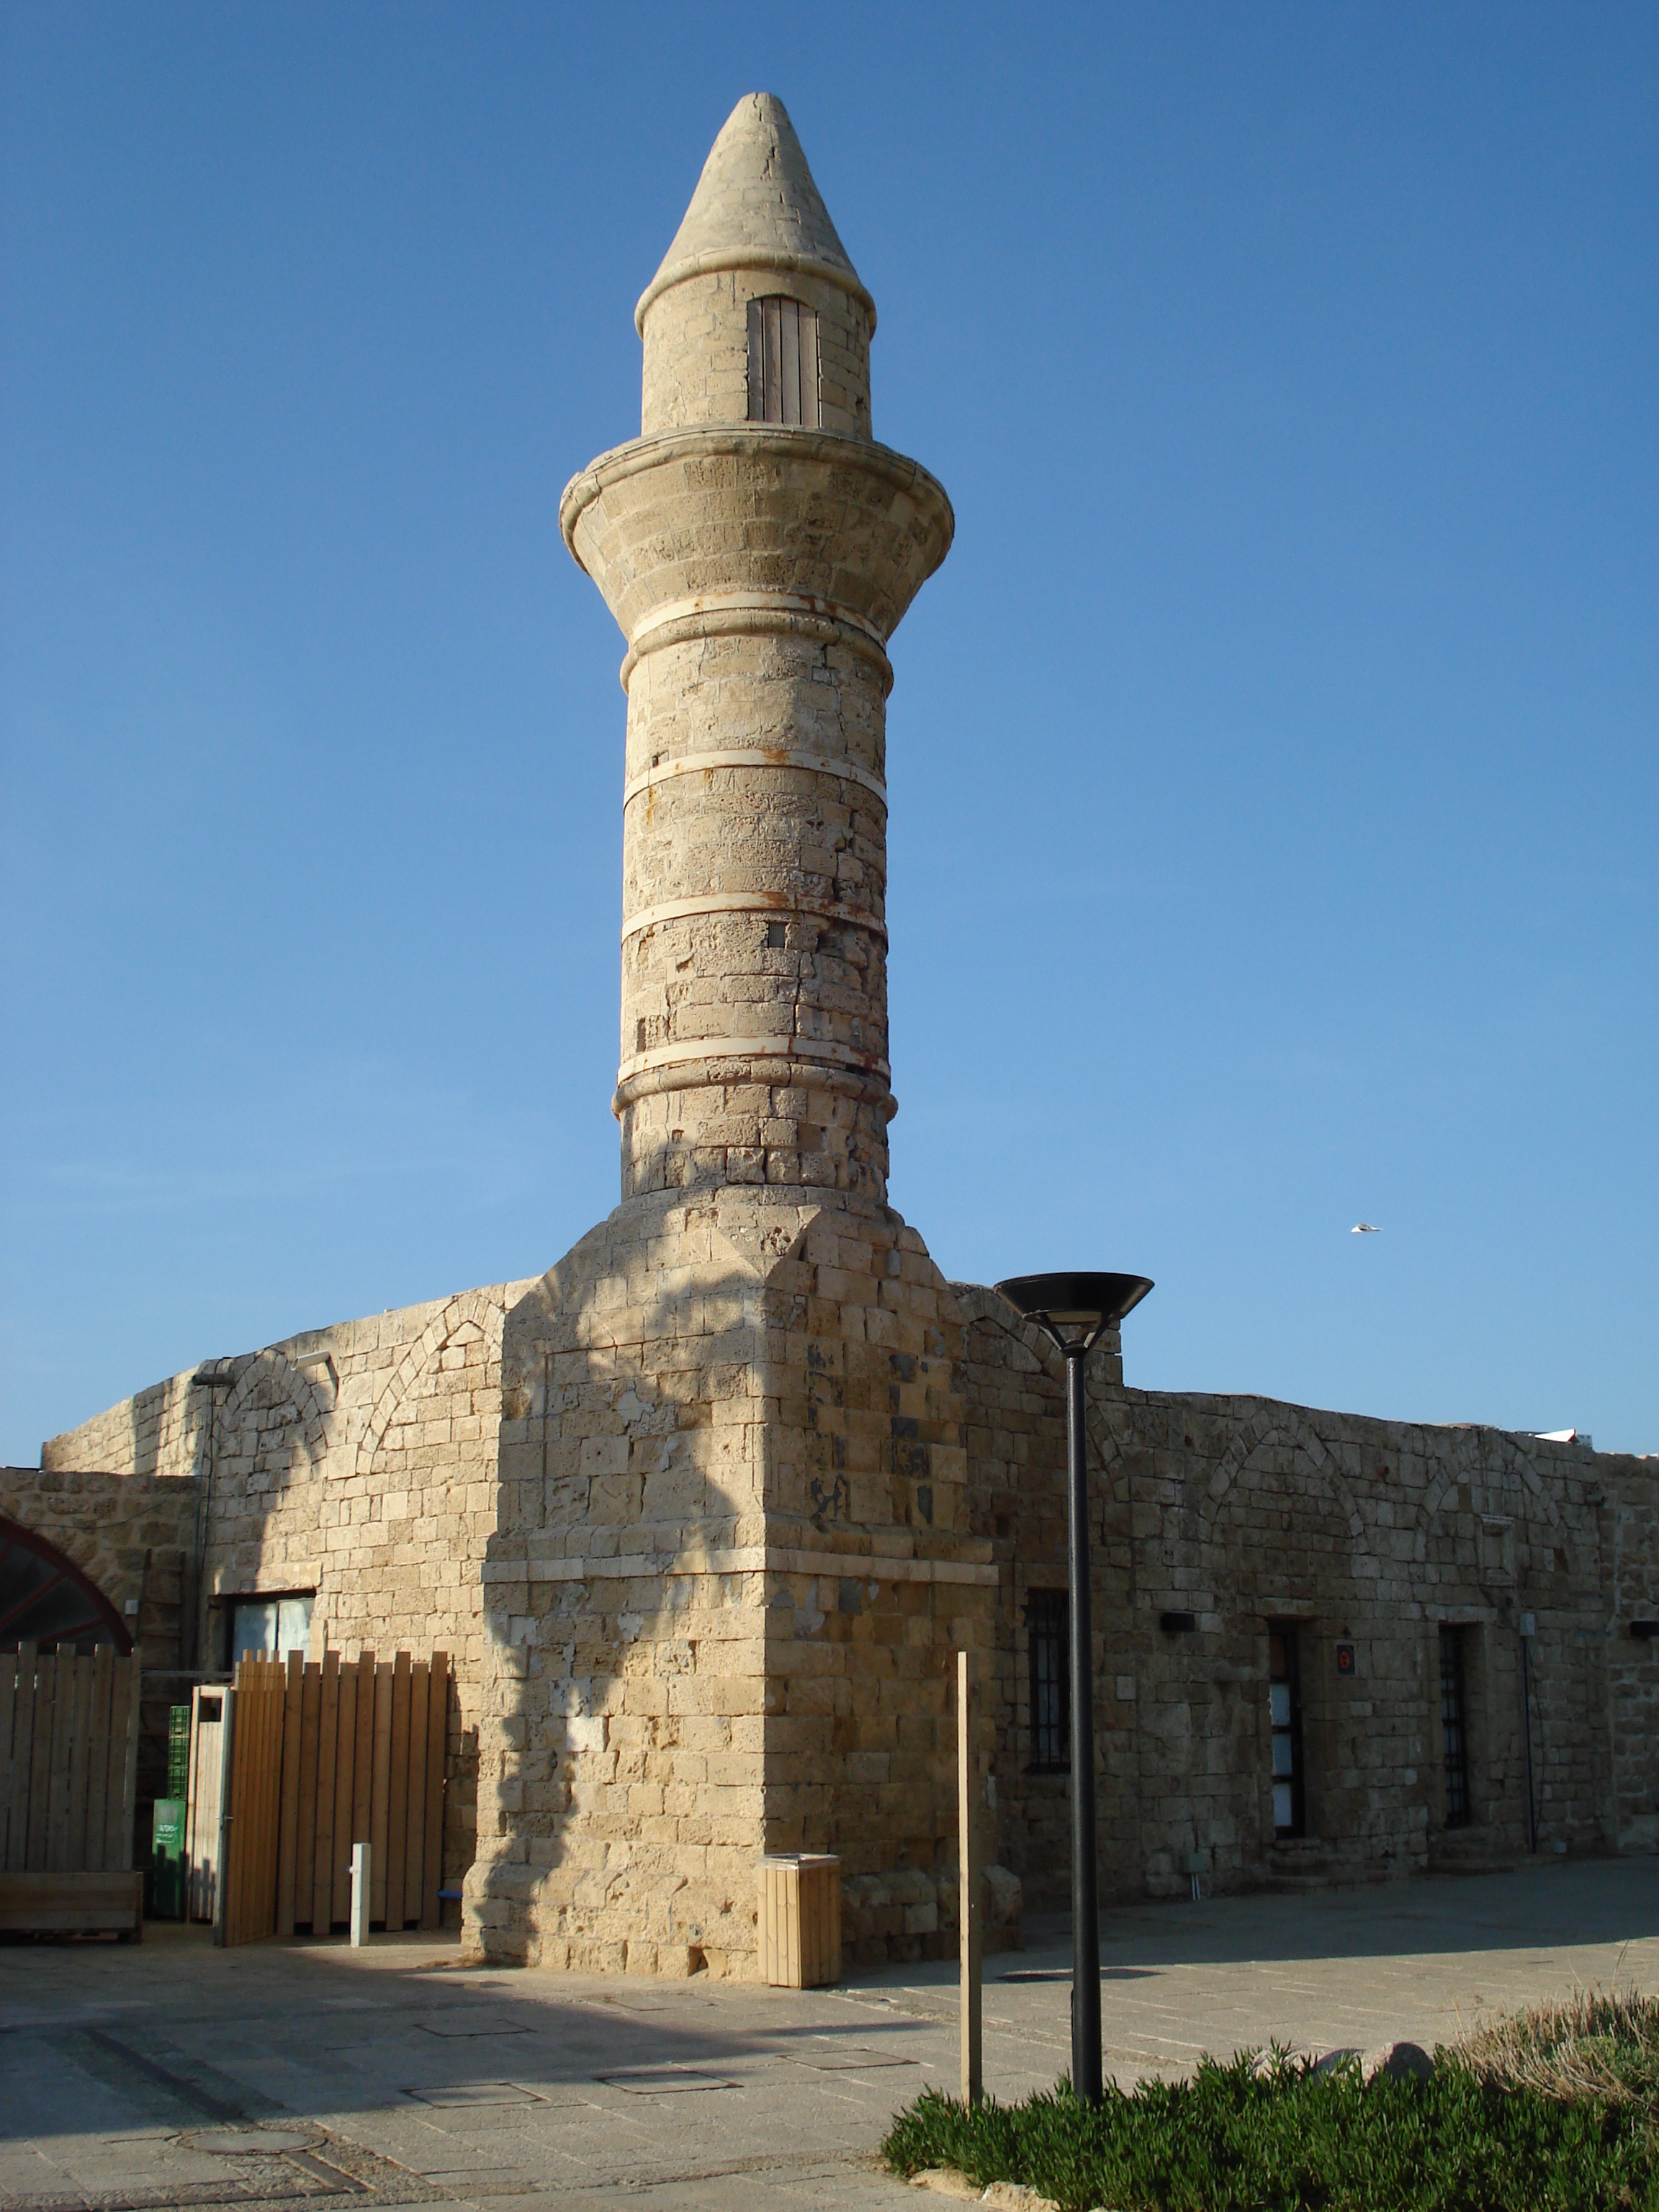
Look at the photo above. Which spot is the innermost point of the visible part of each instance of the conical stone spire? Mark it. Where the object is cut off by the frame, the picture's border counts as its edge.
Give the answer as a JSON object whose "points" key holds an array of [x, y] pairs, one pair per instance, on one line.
{"points": [[757, 207]]}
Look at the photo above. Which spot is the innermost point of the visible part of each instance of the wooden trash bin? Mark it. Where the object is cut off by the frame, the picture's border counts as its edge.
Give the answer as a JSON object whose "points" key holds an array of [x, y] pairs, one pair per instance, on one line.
{"points": [[800, 1921]]}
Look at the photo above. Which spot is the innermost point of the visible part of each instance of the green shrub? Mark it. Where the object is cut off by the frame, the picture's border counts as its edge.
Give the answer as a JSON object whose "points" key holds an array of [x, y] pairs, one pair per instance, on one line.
{"points": [[1233, 2139]]}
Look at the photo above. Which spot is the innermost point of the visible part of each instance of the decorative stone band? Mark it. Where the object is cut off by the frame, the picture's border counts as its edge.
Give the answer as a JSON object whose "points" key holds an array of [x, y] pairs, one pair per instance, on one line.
{"points": [[748, 614], [651, 917], [744, 1559], [753, 757], [776, 1060], [775, 1069]]}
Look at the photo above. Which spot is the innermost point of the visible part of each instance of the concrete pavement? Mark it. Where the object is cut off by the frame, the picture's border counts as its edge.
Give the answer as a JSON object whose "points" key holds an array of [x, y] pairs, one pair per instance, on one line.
{"points": [[168, 2075]]}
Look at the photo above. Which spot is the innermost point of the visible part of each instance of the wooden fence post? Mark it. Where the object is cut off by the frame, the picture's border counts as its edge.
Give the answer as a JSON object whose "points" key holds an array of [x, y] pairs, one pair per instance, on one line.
{"points": [[227, 1816]]}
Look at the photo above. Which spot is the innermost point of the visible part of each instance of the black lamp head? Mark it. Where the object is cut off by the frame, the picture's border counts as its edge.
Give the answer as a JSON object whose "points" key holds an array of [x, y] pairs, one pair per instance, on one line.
{"points": [[1074, 1309]]}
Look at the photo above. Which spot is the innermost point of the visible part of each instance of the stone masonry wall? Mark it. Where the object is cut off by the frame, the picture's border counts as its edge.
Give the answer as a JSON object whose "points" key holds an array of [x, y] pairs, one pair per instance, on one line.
{"points": [[726, 1585], [1630, 1552], [703, 1514], [876, 1579], [696, 350], [1013, 1385], [358, 1463], [754, 878], [1368, 1533], [109, 1524], [620, 1799]]}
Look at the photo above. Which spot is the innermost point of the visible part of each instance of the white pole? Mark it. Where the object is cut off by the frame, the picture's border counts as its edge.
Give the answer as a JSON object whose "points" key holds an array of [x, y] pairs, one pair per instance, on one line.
{"points": [[972, 2076], [360, 1892]]}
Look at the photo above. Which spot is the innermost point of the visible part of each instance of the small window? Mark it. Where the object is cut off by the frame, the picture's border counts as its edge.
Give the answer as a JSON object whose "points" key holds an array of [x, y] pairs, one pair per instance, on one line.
{"points": [[1046, 1619], [1285, 1703], [783, 362], [1454, 1726], [276, 1625]]}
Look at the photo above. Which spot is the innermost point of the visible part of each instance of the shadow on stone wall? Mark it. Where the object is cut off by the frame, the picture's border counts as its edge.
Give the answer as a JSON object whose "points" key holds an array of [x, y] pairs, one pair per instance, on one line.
{"points": [[619, 1728], [682, 1391]]}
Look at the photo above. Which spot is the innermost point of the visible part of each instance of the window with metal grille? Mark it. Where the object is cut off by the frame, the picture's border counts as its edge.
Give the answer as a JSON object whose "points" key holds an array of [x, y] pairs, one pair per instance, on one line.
{"points": [[1454, 1727], [1046, 1620], [1285, 1703], [783, 362]]}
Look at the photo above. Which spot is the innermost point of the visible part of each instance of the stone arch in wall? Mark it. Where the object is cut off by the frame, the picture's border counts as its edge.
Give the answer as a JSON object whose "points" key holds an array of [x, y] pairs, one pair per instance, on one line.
{"points": [[469, 1310], [261, 1450], [979, 1304], [1478, 1456], [1293, 1428]]}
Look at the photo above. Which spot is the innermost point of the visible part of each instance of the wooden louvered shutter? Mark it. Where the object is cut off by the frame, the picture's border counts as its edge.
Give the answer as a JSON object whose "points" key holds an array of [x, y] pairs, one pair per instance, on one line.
{"points": [[783, 362]]}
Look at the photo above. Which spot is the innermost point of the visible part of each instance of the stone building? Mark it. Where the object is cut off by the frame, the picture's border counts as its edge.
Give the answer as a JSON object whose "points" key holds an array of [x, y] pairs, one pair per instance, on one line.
{"points": [[701, 1514]]}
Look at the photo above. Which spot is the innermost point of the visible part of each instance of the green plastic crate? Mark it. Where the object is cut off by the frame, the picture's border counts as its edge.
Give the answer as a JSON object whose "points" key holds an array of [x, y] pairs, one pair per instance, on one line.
{"points": [[178, 1751]]}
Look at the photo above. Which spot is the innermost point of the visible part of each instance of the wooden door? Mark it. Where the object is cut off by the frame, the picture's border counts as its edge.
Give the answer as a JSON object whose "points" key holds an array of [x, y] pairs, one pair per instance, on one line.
{"points": [[211, 1735]]}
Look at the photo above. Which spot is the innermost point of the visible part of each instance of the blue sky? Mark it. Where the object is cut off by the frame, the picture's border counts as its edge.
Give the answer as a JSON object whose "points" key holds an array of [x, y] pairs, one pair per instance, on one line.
{"points": [[1273, 764]]}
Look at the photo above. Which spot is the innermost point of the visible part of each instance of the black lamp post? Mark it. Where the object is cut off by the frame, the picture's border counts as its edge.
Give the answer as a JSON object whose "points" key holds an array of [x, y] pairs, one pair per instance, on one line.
{"points": [[1075, 1310]]}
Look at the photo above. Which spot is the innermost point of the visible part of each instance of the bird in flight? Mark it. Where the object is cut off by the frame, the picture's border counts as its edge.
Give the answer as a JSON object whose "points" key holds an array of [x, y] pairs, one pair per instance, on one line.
{"points": [[1364, 1229]]}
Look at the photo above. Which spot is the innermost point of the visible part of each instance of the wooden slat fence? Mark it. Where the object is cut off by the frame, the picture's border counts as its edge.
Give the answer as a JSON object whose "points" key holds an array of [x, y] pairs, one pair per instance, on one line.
{"points": [[326, 1755], [69, 1761], [256, 1765]]}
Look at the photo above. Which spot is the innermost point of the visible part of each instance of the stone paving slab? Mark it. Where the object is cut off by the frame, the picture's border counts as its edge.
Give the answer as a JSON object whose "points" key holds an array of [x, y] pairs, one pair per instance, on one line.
{"points": [[414, 2078]]}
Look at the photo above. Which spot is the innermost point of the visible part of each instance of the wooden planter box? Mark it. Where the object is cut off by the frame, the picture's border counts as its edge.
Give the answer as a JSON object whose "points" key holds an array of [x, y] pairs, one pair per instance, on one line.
{"points": [[800, 1922], [72, 1904]]}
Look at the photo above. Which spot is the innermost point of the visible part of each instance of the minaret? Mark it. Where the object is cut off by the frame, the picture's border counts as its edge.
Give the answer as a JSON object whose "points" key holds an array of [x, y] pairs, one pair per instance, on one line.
{"points": [[758, 549], [731, 1559]]}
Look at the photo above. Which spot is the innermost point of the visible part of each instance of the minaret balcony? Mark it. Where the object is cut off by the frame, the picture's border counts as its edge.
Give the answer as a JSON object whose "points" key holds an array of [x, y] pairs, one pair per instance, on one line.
{"points": [[752, 527]]}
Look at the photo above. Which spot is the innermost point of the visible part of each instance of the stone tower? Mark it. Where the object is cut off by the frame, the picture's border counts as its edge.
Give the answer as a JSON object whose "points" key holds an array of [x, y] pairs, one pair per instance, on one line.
{"points": [[758, 549], [726, 1574]]}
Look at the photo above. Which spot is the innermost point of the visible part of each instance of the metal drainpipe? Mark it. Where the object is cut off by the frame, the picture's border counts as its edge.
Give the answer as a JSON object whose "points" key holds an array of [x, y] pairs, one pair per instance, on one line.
{"points": [[213, 1377], [1526, 1730]]}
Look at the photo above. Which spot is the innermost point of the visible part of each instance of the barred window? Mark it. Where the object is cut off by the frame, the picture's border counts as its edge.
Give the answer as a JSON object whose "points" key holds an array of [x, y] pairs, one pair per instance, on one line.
{"points": [[1454, 1727], [1046, 1620], [783, 362], [1285, 1703]]}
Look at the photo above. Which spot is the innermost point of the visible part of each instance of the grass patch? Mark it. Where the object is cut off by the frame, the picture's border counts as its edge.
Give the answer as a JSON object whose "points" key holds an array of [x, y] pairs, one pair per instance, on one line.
{"points": [[1554, 2109], [1589, 2046]]}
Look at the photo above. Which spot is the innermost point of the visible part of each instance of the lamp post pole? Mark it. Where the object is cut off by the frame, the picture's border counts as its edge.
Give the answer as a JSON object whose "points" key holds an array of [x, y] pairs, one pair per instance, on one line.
{"points": [[1086, 1909], [1074, 1311]]}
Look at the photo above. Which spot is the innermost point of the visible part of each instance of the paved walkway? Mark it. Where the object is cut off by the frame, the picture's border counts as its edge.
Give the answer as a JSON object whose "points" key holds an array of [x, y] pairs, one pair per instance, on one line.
{"points": [[306, 2074]]}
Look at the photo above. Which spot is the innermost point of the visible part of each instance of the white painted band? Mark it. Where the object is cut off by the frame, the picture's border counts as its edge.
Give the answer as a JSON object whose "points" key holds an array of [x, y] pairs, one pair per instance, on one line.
{"points": [[782, 902], [751, 603], [746, 1560], [757, 757]]}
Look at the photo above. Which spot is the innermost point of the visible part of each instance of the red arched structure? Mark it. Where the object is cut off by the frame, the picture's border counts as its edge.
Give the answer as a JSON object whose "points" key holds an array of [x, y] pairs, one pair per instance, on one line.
{"points": [[46, 1599]]}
